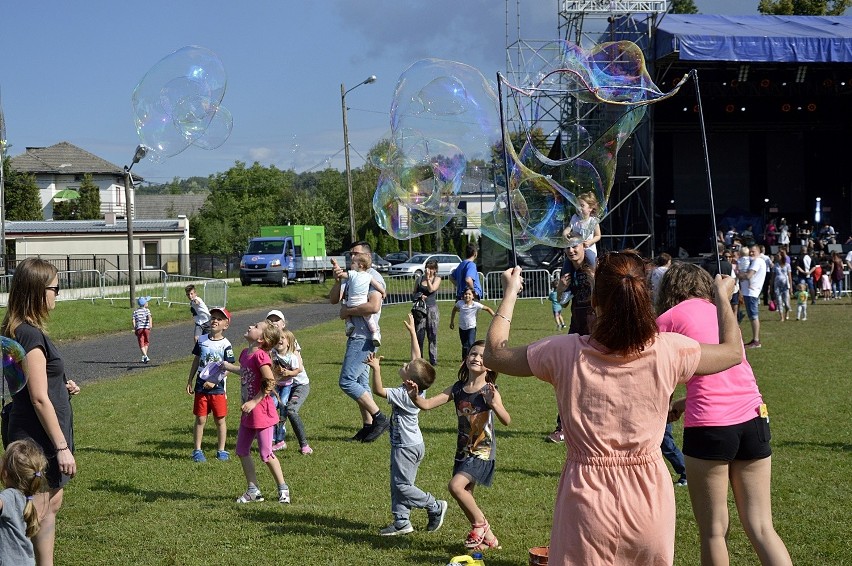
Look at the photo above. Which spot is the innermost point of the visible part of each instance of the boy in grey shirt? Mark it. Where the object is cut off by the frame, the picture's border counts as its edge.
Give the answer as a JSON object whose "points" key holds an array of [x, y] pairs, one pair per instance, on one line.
{"points": [[407, 447]]}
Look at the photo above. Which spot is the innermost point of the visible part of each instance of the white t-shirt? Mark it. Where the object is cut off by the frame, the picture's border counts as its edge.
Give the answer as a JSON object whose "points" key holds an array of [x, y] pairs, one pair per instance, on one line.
{"points": [[467, 314], [755, 284]]}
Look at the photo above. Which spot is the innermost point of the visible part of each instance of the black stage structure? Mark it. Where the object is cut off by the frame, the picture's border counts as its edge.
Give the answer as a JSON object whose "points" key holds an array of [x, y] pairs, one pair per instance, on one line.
{"points": [[776, 97]]}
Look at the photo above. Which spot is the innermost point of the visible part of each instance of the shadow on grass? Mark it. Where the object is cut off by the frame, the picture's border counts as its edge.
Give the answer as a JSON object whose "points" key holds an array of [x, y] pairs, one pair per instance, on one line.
{"points": [[147, 495], [833, 446], [555, 473], [422, 551], [145, 454]]}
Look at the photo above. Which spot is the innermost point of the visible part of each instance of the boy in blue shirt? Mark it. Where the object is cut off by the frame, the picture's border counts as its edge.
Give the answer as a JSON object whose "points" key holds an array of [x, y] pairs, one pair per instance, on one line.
{"points": [[209, 387], [407, 447]]}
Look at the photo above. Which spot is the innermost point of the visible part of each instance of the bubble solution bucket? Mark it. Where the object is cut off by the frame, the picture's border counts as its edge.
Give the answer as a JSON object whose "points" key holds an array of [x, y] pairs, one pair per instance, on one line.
{"points": [[538, 555]]}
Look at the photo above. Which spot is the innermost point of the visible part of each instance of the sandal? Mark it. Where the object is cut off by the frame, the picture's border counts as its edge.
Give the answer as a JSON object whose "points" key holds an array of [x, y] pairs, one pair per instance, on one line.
{"points": [[476, 536], [489, 541]]}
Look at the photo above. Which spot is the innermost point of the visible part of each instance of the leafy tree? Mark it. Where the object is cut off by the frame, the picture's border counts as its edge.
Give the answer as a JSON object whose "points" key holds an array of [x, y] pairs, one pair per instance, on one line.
{"points": [[683, 7], [66, 210], [22, 198], [241, 200], [177, 186], [89, 203], [803, 7]]}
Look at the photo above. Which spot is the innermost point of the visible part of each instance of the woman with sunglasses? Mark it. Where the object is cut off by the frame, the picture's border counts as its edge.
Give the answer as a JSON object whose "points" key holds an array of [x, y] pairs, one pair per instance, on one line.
{"points": [[42, 409], [615, 502]]}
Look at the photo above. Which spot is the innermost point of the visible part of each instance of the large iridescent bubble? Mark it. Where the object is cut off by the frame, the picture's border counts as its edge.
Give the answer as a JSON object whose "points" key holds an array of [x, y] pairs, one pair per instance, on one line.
{"points": [[536, 197], [444, 119], [178, 103], [14, 362]]}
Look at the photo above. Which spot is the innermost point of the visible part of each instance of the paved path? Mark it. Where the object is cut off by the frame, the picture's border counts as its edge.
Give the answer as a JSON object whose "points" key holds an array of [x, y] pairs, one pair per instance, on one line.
{"points": [[115, 355]]}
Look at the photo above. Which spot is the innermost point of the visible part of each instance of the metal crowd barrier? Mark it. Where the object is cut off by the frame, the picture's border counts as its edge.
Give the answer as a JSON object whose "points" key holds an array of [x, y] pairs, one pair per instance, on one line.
{"points": [[400, 289], [536, 284], [214, 292], [114, 285]]}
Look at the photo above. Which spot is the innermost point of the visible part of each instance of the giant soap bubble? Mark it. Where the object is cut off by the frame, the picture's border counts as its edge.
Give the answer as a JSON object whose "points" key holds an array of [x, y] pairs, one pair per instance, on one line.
{"points": [[14, 362], [536, 196], [444, 119], [178, 103]]}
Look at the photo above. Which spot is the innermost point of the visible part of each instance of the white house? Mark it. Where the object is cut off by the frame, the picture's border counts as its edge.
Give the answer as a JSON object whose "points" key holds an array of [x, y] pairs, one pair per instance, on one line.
{"points": [[63, 165], [79, 244]]}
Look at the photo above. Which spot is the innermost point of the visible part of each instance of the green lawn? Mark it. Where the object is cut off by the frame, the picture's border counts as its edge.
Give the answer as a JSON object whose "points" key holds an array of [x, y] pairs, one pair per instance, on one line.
{"points": [[139, 499]]}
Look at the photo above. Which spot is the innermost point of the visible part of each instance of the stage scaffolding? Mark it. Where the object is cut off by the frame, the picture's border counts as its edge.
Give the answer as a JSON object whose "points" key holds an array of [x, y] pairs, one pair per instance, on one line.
{"points": [[629, 221]]}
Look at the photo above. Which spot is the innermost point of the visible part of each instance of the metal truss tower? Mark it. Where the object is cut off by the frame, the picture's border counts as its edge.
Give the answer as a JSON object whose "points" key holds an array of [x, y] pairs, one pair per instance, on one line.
{"points": [[630, 216]]}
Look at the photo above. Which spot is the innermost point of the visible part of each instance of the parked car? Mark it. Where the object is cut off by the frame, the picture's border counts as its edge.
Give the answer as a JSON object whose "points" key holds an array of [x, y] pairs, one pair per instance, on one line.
{"points": [[417, 264], [397, 257], [380, 264]]}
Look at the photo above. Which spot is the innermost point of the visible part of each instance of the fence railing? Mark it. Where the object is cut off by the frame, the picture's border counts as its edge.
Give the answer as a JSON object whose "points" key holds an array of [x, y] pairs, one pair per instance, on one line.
{"points": [[114, 285], [536, 286], [214, 292]]}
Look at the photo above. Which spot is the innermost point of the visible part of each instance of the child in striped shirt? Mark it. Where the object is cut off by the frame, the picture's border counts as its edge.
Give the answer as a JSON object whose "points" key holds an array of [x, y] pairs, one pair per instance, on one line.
{"points": [[142, 324]]}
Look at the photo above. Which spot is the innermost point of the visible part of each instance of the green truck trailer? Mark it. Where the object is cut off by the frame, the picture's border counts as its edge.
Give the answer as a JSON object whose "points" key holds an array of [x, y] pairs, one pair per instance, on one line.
{"points": [[287, 253]]}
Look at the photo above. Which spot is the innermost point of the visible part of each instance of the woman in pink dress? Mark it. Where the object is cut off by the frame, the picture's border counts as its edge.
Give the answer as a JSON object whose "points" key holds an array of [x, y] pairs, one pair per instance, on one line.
{"points": [[615, 501]]}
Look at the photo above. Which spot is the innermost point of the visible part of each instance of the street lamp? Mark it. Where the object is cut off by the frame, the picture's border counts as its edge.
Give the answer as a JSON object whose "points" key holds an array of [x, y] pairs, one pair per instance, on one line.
{"points": [[343, 93], [141, 152]]}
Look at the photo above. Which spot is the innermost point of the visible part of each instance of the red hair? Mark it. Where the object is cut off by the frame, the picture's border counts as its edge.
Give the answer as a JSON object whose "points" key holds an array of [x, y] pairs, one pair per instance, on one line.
{"points": [[625, 321]]}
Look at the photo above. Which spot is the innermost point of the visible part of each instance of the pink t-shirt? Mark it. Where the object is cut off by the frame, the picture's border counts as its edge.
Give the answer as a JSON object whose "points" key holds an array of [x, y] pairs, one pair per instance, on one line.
{"points": [[721, 399], [264, 414]]}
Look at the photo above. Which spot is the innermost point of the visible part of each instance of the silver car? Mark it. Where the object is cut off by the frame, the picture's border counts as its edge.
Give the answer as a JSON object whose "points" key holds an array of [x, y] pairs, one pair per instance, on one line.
{"points": [[417, 264]]}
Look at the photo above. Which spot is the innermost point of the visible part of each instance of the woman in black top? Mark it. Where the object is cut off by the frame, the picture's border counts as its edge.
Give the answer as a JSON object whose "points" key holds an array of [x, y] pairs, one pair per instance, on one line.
{"points": [[427, 285], [42, 409]]}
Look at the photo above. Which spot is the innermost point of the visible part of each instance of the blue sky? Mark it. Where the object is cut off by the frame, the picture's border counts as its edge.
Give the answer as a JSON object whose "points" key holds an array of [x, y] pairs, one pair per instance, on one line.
{"points": [[67, 69]]}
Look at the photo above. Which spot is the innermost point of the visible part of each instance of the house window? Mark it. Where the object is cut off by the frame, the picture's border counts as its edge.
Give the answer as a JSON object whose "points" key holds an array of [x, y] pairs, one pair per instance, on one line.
{"points": [[151, 255]]}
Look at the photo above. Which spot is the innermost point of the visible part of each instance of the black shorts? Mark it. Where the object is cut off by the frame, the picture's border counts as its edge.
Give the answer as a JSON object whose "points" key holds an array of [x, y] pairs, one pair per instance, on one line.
{"points": [[744, 441]]}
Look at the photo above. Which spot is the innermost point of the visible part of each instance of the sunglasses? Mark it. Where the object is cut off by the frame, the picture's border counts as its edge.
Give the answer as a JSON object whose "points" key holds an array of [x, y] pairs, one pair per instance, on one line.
{"points": [[55, 289]]}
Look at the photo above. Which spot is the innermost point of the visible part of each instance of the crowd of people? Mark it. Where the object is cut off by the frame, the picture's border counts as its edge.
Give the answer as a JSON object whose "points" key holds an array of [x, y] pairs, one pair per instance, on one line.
{"points": [[637, 330]]}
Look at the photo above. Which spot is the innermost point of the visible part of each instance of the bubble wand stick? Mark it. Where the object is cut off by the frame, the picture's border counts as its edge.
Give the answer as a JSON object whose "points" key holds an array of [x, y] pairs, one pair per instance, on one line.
{"points": [[506, 172], [694, 74]]}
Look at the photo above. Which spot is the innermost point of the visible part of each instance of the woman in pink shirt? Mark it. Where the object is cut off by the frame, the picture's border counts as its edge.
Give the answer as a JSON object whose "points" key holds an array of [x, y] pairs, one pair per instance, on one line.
{"points": [[726, 429], [615, 502]]}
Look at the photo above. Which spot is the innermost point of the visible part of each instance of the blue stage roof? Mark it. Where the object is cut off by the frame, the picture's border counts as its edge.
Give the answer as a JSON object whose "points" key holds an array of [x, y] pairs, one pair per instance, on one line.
{"points": [[777, 39]]}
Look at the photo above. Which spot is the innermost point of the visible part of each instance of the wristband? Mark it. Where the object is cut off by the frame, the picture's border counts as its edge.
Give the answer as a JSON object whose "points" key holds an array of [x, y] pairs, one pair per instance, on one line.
{"points": [[63, 448], [509, 320]]}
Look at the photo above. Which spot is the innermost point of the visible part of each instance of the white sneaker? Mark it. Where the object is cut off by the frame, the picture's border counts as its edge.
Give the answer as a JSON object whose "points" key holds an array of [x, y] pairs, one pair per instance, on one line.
{"points": [[377, 339], [284, 495], [250, 497]]}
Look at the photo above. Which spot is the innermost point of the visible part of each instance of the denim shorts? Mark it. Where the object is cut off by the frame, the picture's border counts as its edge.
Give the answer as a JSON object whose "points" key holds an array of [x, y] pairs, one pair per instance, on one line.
{"points": [[751, 307], [354, 373]]}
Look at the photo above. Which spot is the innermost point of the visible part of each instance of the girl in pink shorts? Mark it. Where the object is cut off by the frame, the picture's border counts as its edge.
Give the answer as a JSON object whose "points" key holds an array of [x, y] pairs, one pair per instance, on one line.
{"points": [[259, 415]]}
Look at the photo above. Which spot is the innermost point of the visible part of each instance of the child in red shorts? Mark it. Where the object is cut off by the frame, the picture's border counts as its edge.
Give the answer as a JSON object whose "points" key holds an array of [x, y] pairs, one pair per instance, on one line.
{"points": [[210, 380], [142, 324]]}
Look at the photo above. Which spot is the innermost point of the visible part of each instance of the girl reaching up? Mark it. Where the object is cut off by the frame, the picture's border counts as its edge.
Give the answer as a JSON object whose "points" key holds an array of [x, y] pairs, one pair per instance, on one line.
{"points": [[476, 399], [22, 470]]}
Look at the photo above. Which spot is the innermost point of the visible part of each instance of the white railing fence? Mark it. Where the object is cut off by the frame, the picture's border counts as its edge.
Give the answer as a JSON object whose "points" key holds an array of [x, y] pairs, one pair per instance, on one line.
{"points": [[114, 285]]}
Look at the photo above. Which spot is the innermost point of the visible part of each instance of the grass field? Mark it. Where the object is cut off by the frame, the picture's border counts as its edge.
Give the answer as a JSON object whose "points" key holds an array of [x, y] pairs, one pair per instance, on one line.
{"points": [[139, 499]]}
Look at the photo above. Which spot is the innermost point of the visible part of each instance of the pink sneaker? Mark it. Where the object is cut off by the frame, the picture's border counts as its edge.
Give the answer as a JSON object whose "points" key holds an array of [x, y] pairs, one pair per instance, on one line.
{"points": [[279, 446], [305, 450]]}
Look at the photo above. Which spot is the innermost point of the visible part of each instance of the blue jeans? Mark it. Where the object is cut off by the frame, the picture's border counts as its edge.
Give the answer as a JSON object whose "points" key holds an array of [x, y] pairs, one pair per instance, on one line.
{"points": [[279, 433], [672, 452], [354, 373], [467, 337], [809, 281]]}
